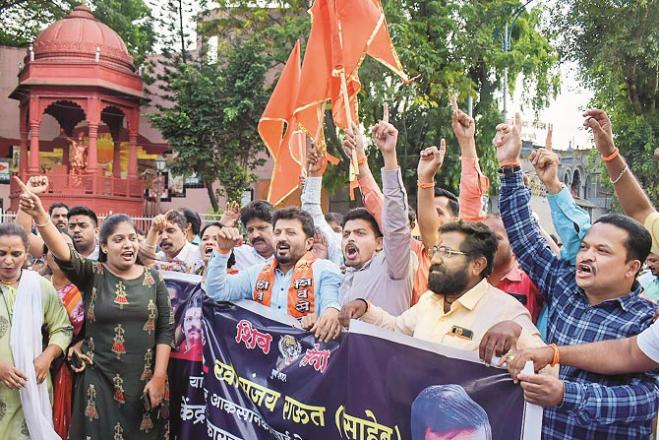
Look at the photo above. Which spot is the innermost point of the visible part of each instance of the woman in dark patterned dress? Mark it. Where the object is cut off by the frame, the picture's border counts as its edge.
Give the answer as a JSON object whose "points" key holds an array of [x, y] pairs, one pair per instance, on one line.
{"points": [[128, 332]]}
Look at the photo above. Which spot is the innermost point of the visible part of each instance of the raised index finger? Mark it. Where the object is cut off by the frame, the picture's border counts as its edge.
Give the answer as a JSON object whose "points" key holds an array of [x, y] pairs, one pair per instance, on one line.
{"points": [[21, 184], [385, 113], [454, 103]]}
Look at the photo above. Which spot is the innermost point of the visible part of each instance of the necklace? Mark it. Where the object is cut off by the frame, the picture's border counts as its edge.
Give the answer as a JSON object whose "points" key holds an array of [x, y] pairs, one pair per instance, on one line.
{"points": [[9, 313]]}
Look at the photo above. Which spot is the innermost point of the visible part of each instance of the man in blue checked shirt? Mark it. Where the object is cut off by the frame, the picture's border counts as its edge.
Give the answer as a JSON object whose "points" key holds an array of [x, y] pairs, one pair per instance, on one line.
{"points": [[596, 300]]}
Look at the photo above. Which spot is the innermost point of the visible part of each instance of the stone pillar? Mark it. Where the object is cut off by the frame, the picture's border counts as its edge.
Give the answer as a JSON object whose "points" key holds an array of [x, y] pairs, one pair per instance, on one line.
{"points": [[92, 154], [22, 167], [116, 159], [132, 155], [34, 148]]}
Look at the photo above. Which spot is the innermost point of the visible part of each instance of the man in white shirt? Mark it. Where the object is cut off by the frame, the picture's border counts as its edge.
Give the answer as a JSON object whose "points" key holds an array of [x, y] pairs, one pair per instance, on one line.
{"points": [[175, 248]]}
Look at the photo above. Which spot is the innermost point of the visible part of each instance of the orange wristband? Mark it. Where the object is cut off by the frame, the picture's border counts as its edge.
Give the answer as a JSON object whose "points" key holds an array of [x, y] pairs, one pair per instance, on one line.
{"points": [[611, 156], [557, 356], [425, 185], [362, 161]]}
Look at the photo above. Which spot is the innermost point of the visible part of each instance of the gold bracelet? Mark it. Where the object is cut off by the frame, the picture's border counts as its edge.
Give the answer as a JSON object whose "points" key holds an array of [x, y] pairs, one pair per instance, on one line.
{"points": [[43, 225], [622, 173]]}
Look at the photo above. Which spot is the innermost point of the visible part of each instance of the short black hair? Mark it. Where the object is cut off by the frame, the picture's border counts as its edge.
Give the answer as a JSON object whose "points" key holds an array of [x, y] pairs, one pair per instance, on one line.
{"points": [[447, 408], [177, 218], [362, 214], [258, 209], [208, 225], [293, 213], [335, 217], [453, 202], [480, 241], [193, 219], [56, 205], [82, 210], [639, 240]]}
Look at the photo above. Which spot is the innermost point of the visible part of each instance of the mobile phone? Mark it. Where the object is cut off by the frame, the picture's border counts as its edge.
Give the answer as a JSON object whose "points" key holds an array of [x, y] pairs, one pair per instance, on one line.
{"points": [[147, 402], [75, 361]]}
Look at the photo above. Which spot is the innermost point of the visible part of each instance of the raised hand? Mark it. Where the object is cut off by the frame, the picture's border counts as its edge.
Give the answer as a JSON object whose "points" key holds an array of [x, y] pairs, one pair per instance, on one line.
{"points": [[430, 161], [227, 239], [159, 223], [30, 203], [37, 184], [546, 163], [320, 248], [231, 215], [385, 137], [508, 142], [354, 140], [598, 121], [316, 161], [549, 139], [463, 125]]}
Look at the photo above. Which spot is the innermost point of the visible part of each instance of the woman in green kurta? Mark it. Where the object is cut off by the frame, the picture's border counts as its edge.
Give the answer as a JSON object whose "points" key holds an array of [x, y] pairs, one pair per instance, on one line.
{"points": [[128, 331], [13, 253]]}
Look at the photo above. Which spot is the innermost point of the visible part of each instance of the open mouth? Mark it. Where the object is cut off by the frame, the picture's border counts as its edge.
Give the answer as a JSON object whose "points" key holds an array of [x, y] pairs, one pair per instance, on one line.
{"points": [[283, 248], [208, 250], [128, 255], [586, 269], [351, 252]]}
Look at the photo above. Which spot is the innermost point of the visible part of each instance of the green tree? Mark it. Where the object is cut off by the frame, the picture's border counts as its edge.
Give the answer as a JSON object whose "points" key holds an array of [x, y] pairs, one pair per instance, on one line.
{"points": [[455, 46], [616, 45], [22, 20], [211, 125]]}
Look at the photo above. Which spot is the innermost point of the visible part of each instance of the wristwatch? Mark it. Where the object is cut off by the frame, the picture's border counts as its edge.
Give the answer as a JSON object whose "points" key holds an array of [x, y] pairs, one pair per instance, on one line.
{"points": [[509, 170]]}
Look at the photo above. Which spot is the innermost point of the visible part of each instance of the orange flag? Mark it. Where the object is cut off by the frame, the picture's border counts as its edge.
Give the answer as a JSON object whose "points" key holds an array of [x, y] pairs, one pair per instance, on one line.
{"points": [[362, 29], [276, 128]]}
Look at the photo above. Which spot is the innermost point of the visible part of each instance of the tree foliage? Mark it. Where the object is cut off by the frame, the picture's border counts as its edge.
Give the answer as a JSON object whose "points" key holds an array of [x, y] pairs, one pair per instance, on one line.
{"points": [[22, 20], [616, 45], [455, 46], [211, 125]]}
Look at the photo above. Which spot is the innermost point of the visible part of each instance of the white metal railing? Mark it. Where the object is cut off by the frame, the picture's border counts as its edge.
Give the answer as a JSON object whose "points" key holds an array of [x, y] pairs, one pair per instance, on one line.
{"points": [[141, 223]]}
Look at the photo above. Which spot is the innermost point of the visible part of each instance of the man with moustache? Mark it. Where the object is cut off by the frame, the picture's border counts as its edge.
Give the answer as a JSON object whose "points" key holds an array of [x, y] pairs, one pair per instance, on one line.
{"points": [[594, 301], [256, 218], [58, 213], [83, 228], [175, 249], [380, 264], [294, 282], [461, 305]]}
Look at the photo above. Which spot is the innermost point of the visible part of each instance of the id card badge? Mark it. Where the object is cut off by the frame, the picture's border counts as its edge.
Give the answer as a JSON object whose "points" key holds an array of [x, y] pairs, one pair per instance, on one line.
{"points": [[461, 332]]}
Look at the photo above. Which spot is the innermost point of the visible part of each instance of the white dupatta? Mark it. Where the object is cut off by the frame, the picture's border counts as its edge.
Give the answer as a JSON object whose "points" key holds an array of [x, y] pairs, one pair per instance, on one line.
{"points": [[26, 344]]}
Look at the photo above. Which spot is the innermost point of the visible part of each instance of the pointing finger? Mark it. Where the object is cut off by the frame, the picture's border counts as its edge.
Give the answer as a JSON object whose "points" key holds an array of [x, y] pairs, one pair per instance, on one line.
{"points": [[21, 184], [385, 113]]}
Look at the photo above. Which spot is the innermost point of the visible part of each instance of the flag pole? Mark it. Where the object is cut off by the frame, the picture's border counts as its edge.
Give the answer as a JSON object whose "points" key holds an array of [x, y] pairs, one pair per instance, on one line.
{"points": [[346, 105]]}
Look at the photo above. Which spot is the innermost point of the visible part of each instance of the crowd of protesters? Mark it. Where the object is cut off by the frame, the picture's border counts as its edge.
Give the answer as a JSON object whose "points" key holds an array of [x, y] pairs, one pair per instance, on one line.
{"points": [[581, 305]]}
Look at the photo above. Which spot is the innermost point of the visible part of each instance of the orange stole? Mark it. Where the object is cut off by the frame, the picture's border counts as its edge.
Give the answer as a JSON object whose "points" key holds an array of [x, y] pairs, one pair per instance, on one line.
{"points": [[300, 292]]}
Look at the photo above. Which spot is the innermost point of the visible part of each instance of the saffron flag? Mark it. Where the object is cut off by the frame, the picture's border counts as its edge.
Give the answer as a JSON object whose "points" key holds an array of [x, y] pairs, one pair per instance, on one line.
{"points": [[342, 33], [276, 127]]}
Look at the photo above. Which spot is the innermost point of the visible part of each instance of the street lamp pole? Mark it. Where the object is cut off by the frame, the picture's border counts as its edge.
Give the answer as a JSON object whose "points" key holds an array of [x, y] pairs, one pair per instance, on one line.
{"points": [[507, 47]]}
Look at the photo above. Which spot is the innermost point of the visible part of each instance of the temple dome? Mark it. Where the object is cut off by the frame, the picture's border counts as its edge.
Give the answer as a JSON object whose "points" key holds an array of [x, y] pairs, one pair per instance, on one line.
{"points": [[77, 37]]}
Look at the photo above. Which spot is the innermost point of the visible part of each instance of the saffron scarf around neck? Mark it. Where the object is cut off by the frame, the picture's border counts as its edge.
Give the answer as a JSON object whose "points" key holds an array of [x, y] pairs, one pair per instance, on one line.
{"points": [[26, 344], [301, 298]]}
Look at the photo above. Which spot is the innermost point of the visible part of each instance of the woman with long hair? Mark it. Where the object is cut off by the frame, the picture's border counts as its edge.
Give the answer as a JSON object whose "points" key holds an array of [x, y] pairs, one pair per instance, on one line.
{"points": [[28, 302], [128, 331]]}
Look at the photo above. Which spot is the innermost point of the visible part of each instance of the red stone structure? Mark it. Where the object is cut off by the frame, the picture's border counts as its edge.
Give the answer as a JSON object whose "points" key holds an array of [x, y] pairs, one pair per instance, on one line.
{"points": [[80, 72]]}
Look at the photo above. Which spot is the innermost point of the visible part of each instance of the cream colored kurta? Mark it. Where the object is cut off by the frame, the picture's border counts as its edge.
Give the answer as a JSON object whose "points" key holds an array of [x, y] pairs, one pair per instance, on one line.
{"points": [[476, 311], [59, 328]]}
